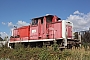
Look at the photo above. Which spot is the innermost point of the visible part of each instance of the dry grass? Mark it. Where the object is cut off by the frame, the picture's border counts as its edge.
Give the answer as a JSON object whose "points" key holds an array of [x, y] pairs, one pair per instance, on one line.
{"points": [[78, 54], [44, 53]]}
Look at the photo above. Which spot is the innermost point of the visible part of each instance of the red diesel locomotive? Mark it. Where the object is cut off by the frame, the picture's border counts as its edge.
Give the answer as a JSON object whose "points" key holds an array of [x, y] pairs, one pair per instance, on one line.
{"points": [[44, 30]]}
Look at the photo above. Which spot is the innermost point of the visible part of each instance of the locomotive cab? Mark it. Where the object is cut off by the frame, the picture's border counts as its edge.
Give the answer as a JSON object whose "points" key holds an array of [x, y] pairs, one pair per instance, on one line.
{"points": [[49, 19]]}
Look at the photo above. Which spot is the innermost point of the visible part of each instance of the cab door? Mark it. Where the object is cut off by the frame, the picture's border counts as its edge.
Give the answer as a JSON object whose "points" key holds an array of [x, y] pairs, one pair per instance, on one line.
{"points": [[69, 31]]}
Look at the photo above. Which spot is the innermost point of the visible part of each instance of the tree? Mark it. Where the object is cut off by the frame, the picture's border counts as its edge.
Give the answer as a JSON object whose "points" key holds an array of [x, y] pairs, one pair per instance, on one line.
{"points": [[86, 37]]}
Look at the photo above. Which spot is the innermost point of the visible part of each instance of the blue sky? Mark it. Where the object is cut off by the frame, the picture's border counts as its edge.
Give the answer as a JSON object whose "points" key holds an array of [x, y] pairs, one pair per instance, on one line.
{"points": [[24, 10]]}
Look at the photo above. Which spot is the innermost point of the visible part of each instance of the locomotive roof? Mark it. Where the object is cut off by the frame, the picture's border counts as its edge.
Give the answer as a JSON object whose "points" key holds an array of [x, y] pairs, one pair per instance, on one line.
{"points": [[42, 17]]}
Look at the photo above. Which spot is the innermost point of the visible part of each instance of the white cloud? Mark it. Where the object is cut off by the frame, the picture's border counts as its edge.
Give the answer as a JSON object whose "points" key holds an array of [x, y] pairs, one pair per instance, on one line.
{"points": [[18, 24], [10, 24], [76, 12], [22, 23], [80, 20], [3, 23]]}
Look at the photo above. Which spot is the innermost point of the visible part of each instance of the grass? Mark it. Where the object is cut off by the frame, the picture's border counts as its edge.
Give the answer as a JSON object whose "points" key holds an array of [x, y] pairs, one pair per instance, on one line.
{"points": [[49, 53]]}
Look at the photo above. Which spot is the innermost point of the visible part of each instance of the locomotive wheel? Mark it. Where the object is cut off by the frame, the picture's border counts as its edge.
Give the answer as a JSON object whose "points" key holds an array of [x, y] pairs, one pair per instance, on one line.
{"points": [[69, 46]]}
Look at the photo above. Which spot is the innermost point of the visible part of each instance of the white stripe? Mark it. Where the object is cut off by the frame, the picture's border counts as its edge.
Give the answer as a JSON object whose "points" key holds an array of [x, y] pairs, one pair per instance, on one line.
{"points": [[34, 40]]}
